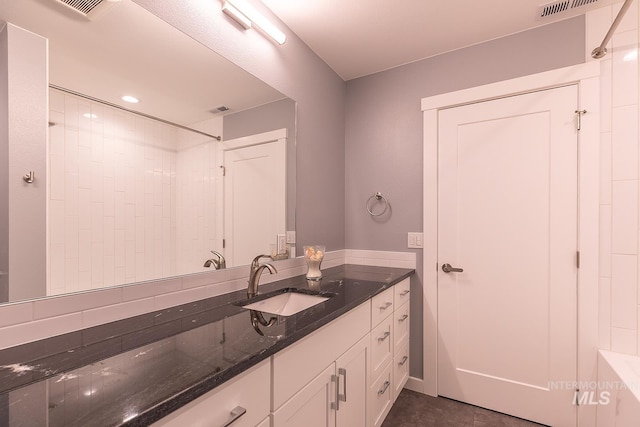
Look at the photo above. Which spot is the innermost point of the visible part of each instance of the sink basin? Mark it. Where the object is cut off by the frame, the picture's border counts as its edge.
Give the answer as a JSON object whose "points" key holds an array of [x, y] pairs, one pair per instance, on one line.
{"points": [[286, 304]]}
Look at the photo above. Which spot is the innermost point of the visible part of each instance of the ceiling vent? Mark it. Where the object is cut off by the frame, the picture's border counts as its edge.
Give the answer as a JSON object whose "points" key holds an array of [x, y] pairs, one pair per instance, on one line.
{"points": [[88, 8], [568, 8]]}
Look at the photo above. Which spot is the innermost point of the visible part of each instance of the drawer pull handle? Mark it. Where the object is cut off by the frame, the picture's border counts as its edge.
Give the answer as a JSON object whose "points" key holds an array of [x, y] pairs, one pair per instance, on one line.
{"points": [[384, 388], [336, 405], [403, 361], [403, 318], [343, 372], [384, 337], [403, 293], [386, 305], [235, 414]]}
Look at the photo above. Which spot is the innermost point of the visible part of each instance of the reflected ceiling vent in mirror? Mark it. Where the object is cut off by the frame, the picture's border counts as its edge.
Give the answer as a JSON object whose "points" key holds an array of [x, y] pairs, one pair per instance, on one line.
{"points": [[88, 8], [566, 8], [220, 109]]}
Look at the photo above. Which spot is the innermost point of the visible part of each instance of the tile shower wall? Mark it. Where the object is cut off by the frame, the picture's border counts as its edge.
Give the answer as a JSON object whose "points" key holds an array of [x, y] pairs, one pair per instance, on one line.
{"points": [[619, 300], [116, 183]]}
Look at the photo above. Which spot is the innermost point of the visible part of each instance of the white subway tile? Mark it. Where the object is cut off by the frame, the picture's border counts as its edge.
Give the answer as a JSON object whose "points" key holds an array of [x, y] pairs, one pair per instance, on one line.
{"points": [[630, 19], [624, 217], [71, 194], [606, 97], [84, 249], [56, 101], [56, 222], [97, 182], [56, 177], [71, 282], [84, 167], [71, 111], [625, 143], [71, 237], [97, 145], [605, 241], [115, 312], [624, 291], [57, 306], [604, 313], [32, 331], [625, 68], [71, 152], [624, 340], [97, 265], [13, 314], [97, 222], [109, 271], [605, 168], [177, 298]]}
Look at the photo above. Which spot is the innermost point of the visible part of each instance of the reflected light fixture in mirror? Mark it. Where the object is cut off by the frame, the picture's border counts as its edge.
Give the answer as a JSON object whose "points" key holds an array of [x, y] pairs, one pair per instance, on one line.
{"points": [[245, 15]]}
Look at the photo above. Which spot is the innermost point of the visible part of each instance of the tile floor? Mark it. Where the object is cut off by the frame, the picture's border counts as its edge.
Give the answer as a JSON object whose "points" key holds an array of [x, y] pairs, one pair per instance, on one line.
{"points": [[418, 410]]}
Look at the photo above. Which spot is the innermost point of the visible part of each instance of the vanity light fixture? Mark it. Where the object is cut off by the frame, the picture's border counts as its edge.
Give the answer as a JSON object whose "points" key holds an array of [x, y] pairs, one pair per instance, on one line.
{"points": [[89, 116], [131, 99], [246, 15]]}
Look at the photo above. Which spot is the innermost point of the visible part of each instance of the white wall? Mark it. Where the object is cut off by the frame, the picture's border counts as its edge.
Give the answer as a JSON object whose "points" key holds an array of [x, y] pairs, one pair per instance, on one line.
{"points": [[619, 309]]}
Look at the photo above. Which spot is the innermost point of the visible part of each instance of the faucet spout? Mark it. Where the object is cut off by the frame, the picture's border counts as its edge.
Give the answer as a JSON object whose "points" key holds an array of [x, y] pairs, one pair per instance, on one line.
{"points": [[256, 272]]}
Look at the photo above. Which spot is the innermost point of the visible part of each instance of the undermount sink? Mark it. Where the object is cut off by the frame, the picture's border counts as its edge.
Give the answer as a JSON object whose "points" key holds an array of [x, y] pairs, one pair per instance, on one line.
{"points": [[287, 303]]}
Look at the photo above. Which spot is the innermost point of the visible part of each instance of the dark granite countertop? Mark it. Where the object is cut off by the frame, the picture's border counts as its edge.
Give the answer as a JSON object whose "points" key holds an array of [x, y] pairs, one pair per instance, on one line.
{"points": [[135, 371]]}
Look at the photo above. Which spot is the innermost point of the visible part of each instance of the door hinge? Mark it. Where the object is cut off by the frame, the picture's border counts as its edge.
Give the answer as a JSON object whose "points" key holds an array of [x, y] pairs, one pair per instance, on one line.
{"points": [[578, 259], [224, 170], [579, 121], [576, 399]]}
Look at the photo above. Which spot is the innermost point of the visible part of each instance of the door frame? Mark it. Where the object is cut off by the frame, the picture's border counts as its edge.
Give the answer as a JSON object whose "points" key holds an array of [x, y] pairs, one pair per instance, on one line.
{"points": [[587, 78]]}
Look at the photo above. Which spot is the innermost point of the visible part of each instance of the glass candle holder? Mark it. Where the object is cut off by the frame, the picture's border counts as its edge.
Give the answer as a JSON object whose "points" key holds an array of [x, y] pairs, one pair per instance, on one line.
{"points": [[314, 256]]}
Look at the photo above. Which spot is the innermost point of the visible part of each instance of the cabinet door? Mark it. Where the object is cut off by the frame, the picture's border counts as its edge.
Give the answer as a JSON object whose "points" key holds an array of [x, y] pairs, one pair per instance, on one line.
{"points": [[313, 406], [352, 368]]}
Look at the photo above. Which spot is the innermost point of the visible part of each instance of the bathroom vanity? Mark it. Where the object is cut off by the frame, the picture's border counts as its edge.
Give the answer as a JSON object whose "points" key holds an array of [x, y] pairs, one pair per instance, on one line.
{"points": [[341, 362]]}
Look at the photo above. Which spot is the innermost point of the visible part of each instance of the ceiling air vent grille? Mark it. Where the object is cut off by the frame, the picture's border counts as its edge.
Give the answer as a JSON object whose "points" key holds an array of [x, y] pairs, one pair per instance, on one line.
{"points": [[88, 8], [563, 7]]}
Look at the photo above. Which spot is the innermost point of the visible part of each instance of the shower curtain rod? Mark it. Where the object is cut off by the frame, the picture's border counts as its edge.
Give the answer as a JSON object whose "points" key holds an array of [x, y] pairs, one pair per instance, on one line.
{"points": [[148, 116], [601, 50]]}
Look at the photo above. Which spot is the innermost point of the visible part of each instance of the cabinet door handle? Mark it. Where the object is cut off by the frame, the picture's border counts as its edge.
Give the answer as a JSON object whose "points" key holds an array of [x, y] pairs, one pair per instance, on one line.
{"points": [[386, 305], [336, 405], [384, 388], [343, 372], [384, 337], [403, 361], [236, 413], [403, 293], [403, 318]]}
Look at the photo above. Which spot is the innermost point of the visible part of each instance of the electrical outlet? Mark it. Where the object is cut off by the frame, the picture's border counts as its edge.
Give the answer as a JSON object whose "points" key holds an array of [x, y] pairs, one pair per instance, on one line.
{"points": [[282, 244], [415, 240], [291, 236]]}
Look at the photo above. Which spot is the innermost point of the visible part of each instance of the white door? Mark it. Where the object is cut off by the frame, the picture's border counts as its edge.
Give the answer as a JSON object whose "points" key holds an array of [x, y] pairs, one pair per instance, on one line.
{"points": [[254, 199], [507, 215]]}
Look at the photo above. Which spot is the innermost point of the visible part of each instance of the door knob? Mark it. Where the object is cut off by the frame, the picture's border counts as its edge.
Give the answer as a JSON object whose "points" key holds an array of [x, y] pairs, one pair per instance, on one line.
{"points": [[448, 269]]}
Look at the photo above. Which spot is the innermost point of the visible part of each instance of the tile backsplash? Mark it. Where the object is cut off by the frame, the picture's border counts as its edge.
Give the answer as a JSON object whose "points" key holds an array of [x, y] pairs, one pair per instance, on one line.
{"points": [[28, 321]]}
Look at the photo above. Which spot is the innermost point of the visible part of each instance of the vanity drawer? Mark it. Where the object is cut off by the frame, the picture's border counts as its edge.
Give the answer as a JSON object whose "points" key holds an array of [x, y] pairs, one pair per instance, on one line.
{"points": [[381, 346], [249, 391], [400, 369], [401, 325], [402, 292], [381, 397], [381, 306]]}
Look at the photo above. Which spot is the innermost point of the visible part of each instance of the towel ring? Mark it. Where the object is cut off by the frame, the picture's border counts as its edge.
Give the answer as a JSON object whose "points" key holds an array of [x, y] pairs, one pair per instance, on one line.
{"points": [[378, 196]]}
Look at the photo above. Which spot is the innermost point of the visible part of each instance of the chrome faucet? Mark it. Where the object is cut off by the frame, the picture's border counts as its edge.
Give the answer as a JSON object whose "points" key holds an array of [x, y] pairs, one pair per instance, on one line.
{"points": [[256, 272], [218, 264]]}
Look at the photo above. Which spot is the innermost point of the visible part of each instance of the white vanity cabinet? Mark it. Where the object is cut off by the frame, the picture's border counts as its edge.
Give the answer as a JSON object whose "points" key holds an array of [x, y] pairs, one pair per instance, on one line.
{"points": [[322, 379], [244, 398]]}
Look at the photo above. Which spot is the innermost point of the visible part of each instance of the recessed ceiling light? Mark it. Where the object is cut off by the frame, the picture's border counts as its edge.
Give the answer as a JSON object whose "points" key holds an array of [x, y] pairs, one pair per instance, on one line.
{"points": [[131, 99]]}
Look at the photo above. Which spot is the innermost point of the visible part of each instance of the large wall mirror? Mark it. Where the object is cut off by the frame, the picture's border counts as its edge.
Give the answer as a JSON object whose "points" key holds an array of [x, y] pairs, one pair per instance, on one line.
{"points": [[205, 161]]}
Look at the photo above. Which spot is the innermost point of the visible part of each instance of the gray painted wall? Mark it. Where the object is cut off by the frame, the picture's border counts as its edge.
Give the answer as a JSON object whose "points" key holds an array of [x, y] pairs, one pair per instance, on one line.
{"points": [[384, 134], [297, 72], [275, 115]]}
